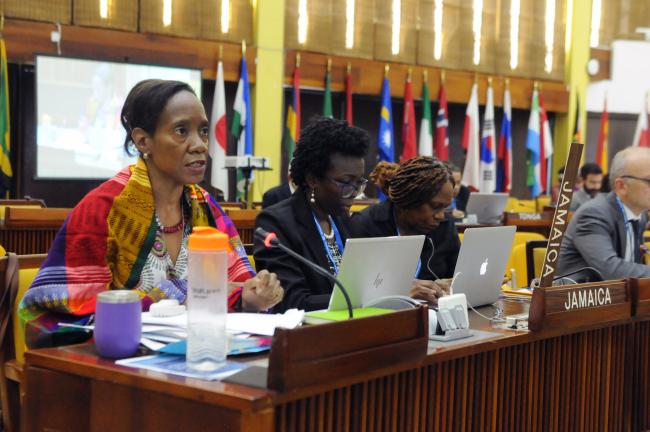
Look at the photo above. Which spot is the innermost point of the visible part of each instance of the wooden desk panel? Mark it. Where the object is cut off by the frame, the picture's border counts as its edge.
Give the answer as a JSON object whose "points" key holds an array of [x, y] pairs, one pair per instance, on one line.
{"points": [[587, 379]]}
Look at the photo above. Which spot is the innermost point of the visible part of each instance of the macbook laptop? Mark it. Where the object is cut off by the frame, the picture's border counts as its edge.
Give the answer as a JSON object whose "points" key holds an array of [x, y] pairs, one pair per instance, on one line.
{"points": [[488, 207], [372, 268], [482, 263]]}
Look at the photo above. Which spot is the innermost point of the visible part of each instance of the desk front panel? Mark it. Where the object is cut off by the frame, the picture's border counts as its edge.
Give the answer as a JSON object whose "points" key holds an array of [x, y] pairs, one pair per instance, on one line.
{"points": [[573, 382]]}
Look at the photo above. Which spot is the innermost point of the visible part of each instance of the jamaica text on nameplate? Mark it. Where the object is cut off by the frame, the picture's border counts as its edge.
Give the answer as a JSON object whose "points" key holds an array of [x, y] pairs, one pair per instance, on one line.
{"points": [[585, 296]]}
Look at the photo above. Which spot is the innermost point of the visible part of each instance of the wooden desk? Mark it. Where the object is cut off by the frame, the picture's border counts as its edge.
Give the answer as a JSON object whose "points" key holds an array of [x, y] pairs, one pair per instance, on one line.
{"points": [[586, 379]]}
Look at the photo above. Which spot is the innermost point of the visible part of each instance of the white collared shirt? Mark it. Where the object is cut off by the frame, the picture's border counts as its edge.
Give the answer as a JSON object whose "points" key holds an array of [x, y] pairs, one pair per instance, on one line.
{"points": [[629, 248]]}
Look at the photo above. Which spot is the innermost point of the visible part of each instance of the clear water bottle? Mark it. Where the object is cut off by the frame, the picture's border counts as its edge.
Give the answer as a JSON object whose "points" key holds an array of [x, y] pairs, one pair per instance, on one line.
{"points": [[207, 299]]}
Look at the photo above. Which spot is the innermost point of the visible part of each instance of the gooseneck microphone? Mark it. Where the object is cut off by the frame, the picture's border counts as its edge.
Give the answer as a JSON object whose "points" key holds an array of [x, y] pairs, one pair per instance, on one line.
{"points": [[270, 240], [589, 269]]}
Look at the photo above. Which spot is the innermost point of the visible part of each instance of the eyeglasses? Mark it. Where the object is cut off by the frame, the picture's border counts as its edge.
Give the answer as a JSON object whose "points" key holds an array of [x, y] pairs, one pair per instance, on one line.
{"points": [[641, 179], [350, 190]]}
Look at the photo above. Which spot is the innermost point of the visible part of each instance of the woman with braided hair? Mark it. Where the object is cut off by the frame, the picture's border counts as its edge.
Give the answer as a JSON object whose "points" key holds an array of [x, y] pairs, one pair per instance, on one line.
{"points": [[418, 190]]}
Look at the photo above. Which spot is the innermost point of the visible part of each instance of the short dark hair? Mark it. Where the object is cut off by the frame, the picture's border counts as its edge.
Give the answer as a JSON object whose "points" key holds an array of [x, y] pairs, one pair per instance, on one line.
{"points": [[413, 182], [319, 140], [144, 104], [590, 168]]}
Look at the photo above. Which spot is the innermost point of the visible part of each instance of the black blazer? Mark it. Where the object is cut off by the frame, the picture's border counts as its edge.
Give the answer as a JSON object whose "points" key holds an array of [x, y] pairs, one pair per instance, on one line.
{"points": [[275, 195], [378, 221], [293, 222], [462, 198]]}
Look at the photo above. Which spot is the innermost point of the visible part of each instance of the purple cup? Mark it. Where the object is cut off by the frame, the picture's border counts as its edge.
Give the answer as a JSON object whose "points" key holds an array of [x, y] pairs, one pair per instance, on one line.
{"points": [[118, 323]]}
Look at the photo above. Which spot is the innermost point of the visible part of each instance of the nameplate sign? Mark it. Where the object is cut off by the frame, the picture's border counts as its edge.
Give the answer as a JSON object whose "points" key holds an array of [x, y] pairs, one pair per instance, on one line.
{"points": [[580, 304], [560, 218]]}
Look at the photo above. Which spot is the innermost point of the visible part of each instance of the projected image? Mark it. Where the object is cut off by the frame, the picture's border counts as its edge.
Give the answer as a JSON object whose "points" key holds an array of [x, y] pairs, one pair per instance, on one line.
{"points": [[79, 134]]}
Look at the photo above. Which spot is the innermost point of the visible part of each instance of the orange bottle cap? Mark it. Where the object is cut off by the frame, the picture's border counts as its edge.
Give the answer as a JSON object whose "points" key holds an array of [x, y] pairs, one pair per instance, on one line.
{"points": [[208, 238]]}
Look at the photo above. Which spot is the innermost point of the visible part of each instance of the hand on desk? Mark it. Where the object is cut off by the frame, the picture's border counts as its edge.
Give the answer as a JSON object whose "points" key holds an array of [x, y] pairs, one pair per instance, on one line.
{"points": [[430, 291], [261, 292]]}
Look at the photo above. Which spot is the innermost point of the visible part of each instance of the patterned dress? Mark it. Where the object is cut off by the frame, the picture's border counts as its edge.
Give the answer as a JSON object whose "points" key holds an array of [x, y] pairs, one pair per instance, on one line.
{"points": [[111, 240]]}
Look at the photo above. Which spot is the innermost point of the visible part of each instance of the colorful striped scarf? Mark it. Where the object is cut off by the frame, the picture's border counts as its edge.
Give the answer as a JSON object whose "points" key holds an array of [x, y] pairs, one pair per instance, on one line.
{"points": [[104, 244]]}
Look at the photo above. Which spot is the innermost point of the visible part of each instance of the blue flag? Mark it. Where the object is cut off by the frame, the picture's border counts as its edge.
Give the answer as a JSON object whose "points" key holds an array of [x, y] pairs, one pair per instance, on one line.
{"points": [[385, 140], [533, 177], [242, 125]]}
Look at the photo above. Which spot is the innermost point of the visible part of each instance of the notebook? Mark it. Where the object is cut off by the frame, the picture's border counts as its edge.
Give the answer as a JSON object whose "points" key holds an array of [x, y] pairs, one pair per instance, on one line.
{"points": [[482, 263], [488, 207], [376, 268]]}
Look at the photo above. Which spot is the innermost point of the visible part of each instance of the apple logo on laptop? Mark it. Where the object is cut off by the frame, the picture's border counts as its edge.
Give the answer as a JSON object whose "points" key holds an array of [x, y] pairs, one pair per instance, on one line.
{"points": [[483, 268]]}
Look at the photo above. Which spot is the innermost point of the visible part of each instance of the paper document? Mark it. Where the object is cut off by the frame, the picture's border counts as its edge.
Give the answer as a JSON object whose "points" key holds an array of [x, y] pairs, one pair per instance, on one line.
{"points": [[255, 323], [176, 365]]}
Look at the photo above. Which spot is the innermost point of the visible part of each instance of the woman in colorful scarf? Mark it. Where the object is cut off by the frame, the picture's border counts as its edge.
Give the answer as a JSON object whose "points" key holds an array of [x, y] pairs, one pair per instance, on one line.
{"points": [[132, 231]]}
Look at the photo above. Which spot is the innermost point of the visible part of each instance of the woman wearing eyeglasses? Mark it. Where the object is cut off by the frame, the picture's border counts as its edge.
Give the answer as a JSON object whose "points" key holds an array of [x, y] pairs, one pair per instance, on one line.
{"points": [[328, 168], [418, 190]]}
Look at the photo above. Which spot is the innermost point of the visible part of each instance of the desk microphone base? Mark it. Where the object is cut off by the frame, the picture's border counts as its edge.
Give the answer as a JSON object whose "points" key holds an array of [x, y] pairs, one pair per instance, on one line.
{"points": [[451, 335]]}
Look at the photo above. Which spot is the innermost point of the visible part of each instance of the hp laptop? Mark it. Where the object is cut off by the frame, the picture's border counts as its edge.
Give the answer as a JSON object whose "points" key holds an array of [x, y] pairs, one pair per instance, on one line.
{"points": [[373, 268], [482, 263], [488, 207]]}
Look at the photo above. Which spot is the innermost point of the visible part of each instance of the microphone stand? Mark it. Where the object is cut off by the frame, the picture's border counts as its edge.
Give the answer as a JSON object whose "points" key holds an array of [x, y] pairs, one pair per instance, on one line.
{"points": [[320, 271], [311, 265]]}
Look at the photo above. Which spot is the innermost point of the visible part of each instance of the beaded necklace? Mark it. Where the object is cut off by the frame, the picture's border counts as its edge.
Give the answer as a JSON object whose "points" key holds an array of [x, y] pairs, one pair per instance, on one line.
{"points": [[174, 228]]}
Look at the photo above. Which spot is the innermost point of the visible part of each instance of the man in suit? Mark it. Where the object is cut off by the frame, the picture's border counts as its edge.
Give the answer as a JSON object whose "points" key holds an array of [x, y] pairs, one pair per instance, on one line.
{"points": [[592, 180], [277, 194], [461, 193], [606, 233]]}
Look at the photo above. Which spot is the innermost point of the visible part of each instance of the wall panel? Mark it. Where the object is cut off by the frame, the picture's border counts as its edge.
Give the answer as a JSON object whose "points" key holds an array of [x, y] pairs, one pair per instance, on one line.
{"points": [[52, 10], [122, 14], [186, 21], [241, 21]]}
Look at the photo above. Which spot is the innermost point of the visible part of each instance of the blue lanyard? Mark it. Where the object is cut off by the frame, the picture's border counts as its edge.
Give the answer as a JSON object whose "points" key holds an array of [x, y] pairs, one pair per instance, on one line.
{"points": [[419, 267], [628, 227], [339, 242]]}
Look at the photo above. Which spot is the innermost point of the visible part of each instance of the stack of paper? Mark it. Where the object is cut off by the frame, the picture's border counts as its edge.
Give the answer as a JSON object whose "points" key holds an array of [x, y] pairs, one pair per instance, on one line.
{"points": [[172, 329]]}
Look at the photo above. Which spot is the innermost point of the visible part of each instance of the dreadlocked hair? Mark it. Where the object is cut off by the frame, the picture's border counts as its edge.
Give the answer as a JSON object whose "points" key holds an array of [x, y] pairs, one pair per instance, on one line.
{"points": [[413, 182]]}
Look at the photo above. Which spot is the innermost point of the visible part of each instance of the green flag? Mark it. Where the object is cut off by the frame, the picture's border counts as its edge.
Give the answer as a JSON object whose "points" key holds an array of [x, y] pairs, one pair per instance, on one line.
{"points": [[327, 102], [6, 173], [425, 146]]}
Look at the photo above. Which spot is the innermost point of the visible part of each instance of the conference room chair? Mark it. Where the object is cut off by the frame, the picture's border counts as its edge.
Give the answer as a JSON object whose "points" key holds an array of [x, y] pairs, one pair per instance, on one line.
{"points": [[535, 251], [542, 202], [517, 259], [16, 275], [515, 205], [361, 204]]}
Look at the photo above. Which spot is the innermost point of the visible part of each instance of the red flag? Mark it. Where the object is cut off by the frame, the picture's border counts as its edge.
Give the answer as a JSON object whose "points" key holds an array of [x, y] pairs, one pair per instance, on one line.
{"points": [[471, 142], [442, 122], [348, 96], [601, 151], [408, 124], [642, 135]]}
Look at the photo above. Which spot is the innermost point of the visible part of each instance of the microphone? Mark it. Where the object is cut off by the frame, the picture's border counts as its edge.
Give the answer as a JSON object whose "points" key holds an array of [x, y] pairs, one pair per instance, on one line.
{"points": [[591, 269], [270, 240]]}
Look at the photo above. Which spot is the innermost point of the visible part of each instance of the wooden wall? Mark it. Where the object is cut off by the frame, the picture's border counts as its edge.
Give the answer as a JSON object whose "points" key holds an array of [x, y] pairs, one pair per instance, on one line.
{"points": [[327, 17]]}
